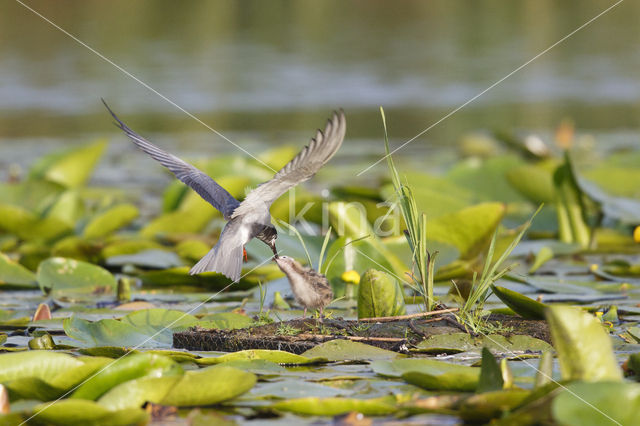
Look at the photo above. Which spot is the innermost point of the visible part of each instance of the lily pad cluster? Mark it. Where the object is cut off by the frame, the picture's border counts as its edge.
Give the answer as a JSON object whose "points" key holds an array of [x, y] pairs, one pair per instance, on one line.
{"points": [[113, 286]]}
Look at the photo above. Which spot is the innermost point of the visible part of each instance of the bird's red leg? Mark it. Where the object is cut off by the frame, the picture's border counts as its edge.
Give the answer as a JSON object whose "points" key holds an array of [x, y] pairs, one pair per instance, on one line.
{"points": [[244, 255]]}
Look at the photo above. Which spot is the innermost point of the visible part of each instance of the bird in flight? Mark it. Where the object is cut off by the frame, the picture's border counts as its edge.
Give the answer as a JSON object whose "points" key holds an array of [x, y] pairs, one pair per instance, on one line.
{"points": [[250, 218]]}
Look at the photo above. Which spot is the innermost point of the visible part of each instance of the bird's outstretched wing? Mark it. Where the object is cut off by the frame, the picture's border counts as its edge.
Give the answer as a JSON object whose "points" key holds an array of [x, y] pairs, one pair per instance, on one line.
{"points": [[301, 168], [206, 187]]}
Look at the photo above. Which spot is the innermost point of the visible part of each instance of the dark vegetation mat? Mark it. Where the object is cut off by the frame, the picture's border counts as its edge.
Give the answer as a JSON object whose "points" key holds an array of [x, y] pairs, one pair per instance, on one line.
{"points": [[300, 335]]}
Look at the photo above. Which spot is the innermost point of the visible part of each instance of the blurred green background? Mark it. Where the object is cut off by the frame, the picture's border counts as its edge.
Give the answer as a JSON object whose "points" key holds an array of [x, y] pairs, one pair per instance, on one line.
{"points": [[268, 72]]}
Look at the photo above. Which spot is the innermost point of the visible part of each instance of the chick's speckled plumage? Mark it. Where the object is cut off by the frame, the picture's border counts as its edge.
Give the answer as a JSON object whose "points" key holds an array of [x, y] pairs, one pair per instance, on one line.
{"points": [[310, 288]]}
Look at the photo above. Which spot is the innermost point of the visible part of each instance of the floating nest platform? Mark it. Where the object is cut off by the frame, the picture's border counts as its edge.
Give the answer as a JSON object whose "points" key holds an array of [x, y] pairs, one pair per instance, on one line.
{"points": [[297, 336]]}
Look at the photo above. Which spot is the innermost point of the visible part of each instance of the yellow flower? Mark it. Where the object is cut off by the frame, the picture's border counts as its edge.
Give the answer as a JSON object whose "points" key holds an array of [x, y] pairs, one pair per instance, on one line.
{"points": [[636, 234], [351, 277]]}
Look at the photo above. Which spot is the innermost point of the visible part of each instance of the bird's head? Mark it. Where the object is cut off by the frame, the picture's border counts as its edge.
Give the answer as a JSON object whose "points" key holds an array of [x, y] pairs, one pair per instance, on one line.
{"points": [[286, 263], [270, 237]]}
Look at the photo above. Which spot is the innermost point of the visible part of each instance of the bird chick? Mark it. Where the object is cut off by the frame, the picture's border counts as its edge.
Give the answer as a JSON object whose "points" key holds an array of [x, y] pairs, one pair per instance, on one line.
{"points": [[310, 288]]}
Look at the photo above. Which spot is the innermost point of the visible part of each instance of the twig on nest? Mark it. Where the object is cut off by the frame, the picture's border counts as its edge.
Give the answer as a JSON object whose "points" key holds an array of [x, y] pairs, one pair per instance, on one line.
{"points": [[457, 324], [416, 330], [411, 316], [354, 338]]}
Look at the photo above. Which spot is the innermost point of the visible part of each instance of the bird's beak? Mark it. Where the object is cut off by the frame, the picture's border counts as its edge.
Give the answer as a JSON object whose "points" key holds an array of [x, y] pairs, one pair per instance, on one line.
{"points": [[274, 250]]}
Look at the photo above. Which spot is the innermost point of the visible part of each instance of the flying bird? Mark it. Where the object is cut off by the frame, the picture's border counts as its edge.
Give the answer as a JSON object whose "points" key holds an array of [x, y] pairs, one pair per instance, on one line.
{"points": [[250, 218], [310, 288]]}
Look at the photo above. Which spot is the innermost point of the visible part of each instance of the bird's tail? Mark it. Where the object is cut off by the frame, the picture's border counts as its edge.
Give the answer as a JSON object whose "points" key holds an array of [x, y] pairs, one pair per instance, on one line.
{"points": [[222, 259]]}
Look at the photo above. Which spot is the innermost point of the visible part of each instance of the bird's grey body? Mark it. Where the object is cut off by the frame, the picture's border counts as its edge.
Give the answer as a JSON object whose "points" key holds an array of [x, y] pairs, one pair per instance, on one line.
{"points": [[226, 256], [250, 218], [310, 288]]}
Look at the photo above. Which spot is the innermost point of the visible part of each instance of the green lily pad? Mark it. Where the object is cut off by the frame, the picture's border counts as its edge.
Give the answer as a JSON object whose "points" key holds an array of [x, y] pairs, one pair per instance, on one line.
{"points": [[535, 182], [516, 342], [489, 405], [59, 273], [339, 350], [336, 406], [68, 207], [180, 221], [146, 328], [125, 369], [235, 184], [73, 377], [586, 404], [192, 250], [82, 412], [129, 246], [106, 332], [447, 343], [45, 365], [260, 367], [616, 180], [28, 194], [210, 280], [106, 351], [543, 255], [379, 295], [78, 248], [522, 305], [469, 229], [296, 388], [430, 374], [486, 180], [147, 259], [279, 357], [193, 213], [434, 196], [13, 319], [462, 380], [584, 348], [71, 168], [28, 226], [45, 375], [151, 320], [209, 386], [490, 373], [14, 275], [135, 393], [110, 221], [201, 387], [32, 388]]}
